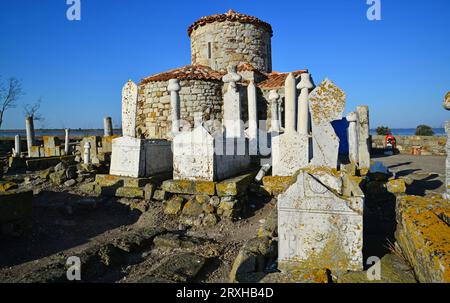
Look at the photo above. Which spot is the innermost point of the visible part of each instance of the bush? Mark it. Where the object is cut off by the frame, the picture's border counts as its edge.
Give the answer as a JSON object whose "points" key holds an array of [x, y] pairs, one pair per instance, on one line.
{"points": [[424, 130], [383, 131]]}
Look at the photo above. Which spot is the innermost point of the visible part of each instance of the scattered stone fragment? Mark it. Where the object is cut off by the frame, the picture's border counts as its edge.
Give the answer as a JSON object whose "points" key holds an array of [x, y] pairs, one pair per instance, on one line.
{"points": [[192, 208], [130, 192], [179, 268], [149, 190], [397, 186], [210, 220], [70, 183], [393, 270], [6, 185], [174, 206], [160, 195], [58, 177]]}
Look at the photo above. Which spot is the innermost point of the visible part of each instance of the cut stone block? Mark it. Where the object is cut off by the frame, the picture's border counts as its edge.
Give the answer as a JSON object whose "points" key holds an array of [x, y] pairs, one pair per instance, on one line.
{"points": [[190, 187], [198, 155], [130, 192], [424, 236], [318, 228], [234, 186], [138, 158]]}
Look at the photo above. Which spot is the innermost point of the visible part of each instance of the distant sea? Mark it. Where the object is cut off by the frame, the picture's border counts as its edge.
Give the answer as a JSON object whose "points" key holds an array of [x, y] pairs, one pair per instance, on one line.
{"points": [[99, 132], [57, 132], [410, 131]]}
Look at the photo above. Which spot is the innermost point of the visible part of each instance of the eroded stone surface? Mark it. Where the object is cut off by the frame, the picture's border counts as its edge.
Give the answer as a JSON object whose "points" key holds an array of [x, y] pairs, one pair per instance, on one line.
{"points": [[327, 104], [318, 228]]}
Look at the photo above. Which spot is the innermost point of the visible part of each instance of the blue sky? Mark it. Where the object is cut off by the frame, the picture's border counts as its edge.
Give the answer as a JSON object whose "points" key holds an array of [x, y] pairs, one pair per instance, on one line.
{"points": [[399, 66]]}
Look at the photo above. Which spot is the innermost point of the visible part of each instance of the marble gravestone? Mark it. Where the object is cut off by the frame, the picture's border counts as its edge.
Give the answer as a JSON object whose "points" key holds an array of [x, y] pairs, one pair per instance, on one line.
{"points": [[133, 157], [211, 153], [317, 227], [363, 137], [327, 104]]}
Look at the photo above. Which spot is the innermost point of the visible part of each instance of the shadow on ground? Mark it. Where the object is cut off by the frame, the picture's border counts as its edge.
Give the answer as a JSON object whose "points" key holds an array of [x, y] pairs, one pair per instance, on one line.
{"points": [[61, 222]]}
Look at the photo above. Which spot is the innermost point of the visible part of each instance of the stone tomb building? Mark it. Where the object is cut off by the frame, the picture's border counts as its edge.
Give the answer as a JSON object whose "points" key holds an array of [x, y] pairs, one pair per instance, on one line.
{"points": [[217, 42]]}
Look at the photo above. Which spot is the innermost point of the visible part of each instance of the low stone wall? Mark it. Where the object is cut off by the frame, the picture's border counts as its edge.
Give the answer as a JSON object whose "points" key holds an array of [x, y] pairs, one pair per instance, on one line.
{"points": [[433, 145]]}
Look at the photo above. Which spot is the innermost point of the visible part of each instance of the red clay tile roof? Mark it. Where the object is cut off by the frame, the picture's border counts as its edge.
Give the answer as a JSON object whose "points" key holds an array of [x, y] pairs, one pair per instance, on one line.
{"points": [[276, 80], [229, 16], [188, 72]]}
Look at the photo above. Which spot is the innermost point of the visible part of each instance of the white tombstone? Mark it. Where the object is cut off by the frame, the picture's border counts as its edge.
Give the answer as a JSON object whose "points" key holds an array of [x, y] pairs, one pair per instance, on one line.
{"points": [[353, 137], [318, 228], [17, 148], [137, 158], [133, 157], [201, 155], [174, 89], [232, 105], [252, 118], [66, 141], [364, 137], [129, 109], [327, 104]]}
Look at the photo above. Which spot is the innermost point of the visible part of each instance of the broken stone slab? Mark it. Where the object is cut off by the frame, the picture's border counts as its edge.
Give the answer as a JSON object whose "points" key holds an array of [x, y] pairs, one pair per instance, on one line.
{"points": [[70, 183], [234, 186], [424, 236], [327, 104], [130, 192], [58, 177], [44, 163], [179, 268], [190, 187], [303, 276], [392, 269], [276, 185], [111, 180], [318, 228]]}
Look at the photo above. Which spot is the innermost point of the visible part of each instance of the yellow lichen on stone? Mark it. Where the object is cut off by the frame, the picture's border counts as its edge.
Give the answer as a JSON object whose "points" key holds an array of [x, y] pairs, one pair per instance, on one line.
{"points": [[276, 185], [397, 186], [425, 237], [5, 186]]}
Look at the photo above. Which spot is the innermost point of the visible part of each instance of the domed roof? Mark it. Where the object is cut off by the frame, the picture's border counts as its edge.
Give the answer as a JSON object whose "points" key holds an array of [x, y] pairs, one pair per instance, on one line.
{"points": [[229, 16]]}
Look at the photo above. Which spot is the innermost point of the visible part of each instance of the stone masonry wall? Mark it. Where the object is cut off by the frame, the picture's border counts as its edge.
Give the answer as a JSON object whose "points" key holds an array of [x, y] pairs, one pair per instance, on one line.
{"points": [[154, 114], [433, 145], [220, 44]]}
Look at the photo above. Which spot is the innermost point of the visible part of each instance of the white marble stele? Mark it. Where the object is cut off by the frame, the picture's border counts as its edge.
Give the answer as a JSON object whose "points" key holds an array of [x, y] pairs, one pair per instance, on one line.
{"points": [[200, 155], [290, 152], [327, 104], [319, 228], [139, 158]]}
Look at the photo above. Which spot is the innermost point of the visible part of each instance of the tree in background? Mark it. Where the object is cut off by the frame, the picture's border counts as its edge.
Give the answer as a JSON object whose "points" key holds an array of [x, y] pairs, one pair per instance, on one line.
{"points": [[383, 131], [32, 110], [10, 92], [424, 130]]}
